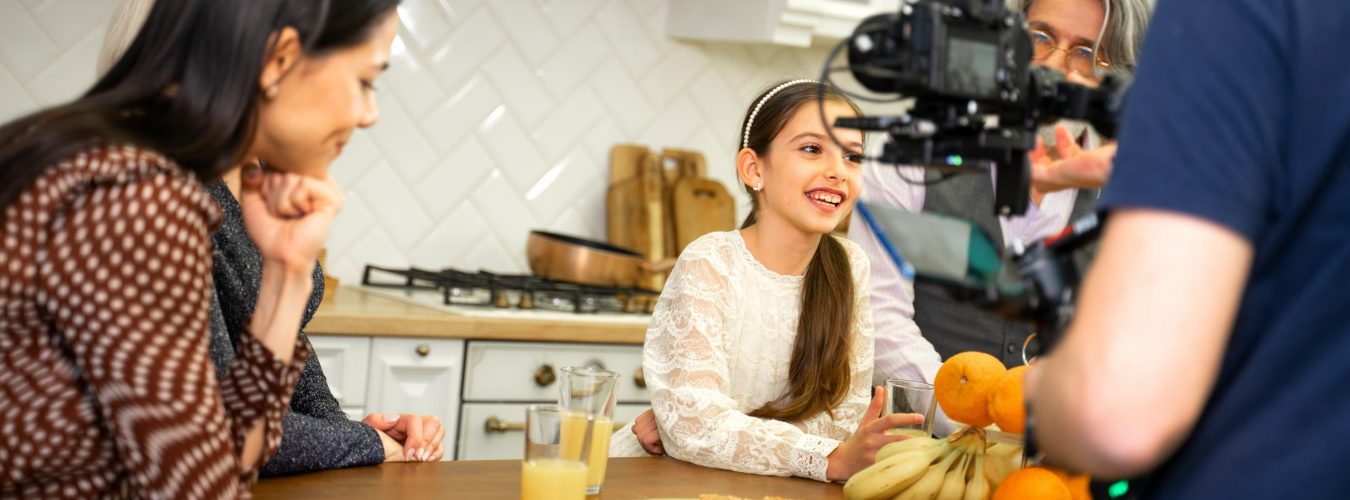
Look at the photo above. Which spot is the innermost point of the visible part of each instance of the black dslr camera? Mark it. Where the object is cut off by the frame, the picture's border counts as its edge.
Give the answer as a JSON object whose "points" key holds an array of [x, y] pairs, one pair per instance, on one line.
{"points": [[978, 99]]}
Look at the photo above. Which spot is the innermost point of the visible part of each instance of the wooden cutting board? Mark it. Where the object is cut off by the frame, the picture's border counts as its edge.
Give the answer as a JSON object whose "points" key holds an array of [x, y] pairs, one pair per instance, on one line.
{"points": [[635, 205], [624, 198], [698, 205]]}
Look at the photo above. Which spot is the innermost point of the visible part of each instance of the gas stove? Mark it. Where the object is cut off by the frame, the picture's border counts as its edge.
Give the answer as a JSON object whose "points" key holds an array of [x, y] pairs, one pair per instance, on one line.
{"points": [[488, 294]]}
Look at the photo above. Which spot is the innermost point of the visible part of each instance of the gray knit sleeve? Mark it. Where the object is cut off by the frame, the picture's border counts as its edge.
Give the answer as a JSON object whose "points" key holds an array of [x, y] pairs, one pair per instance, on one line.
{"points": [[317, 433]]}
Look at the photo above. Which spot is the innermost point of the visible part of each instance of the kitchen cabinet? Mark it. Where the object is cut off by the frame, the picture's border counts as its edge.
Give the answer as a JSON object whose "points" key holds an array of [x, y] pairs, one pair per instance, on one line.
{"points": [[784, 22], [502, 378], [527, 371], [493, 431], [419, 376], [479, 389], [345, 362]]}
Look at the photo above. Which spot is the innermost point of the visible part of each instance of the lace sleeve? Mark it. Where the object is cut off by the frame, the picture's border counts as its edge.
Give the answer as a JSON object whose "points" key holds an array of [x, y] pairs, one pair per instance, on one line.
{"points": [[685, 361], [850, 412]]}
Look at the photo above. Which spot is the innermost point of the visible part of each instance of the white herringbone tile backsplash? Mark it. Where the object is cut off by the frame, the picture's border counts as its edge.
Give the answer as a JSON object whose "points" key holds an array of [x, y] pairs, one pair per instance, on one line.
{"points": [[496, 116]]}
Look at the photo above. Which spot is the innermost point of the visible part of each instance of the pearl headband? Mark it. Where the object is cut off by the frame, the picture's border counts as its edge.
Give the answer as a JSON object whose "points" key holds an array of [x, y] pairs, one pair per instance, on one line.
{"points": [[745, 138]]}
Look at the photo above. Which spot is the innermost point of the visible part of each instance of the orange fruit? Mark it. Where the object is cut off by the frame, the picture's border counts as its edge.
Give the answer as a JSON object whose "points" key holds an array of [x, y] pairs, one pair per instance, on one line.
{"points": [[963, 385], [1080, 487], [1032, 483], [1006, 406]]}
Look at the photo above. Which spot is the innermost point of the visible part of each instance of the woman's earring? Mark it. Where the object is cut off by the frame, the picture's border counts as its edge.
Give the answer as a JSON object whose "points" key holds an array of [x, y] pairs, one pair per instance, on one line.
{"points": [[271, 91], [759, 186]]}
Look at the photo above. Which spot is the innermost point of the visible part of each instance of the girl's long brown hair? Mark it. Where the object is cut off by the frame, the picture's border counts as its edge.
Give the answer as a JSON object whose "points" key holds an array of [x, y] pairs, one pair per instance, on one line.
{"points": [[820, 372]]}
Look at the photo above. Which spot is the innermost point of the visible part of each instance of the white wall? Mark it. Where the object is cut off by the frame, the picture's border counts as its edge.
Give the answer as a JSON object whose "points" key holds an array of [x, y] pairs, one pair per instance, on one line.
{"points": [[496, 116]]}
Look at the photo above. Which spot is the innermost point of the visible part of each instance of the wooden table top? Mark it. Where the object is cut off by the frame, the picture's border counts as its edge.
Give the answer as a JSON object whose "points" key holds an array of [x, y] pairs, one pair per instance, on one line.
{"points": [[626, 478]]}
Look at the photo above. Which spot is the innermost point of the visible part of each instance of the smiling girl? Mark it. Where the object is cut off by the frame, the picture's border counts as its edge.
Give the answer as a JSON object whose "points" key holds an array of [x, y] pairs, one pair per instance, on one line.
{"points": [[759, 353]]}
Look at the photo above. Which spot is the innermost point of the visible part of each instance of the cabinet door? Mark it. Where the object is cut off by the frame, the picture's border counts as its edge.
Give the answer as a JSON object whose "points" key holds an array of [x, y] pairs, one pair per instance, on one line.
{"points": [[344, 361], [419, 376], [527, 371], [493, 431]]}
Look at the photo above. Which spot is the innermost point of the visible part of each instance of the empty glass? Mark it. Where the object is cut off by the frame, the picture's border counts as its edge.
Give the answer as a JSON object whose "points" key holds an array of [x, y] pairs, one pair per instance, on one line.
{"points": [[911, 396]]}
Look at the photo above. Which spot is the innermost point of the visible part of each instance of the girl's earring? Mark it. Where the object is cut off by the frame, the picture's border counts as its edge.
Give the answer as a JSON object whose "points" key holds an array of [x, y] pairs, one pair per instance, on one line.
{"points": [[271, 92], [759, 186]]}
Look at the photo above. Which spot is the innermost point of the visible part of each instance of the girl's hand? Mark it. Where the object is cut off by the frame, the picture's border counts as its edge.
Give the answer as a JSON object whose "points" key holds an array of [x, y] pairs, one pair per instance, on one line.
{"points": [[860, 450], [648, 435]]}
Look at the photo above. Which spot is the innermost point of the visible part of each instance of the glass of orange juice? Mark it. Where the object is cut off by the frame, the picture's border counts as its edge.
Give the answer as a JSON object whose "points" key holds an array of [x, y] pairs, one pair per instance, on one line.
{"points": [[547, 473], [587, 398]]}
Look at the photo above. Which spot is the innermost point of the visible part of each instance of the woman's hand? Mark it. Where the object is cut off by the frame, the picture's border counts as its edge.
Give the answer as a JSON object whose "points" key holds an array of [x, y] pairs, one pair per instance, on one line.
{"points": [[1069, 166], [288, 216], [648, 435], [419, 436], [860, 450], [393, 450]]}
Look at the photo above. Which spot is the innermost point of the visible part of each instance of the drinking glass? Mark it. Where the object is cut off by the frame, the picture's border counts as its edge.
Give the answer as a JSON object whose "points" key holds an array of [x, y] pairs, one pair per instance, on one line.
{"points": [[547, 473], [911, 396], [587, 396]]}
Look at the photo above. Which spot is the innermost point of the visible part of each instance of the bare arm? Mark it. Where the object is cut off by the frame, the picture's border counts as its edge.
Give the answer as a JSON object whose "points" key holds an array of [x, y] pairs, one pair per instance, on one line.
{"points": [[1136, 367]]}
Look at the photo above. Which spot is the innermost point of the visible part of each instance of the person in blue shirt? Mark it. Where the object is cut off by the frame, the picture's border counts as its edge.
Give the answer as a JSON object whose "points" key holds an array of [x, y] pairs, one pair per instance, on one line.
{"points": [[1212, 342]]}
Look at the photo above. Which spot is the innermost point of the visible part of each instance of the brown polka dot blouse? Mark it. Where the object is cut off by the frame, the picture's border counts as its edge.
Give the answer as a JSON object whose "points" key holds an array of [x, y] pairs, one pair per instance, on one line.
{"points": [[106, 386]]}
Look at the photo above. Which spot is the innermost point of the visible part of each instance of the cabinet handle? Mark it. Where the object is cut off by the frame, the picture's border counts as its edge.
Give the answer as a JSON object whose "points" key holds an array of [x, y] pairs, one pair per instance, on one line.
{"points": [[494, 424], [544, 376], [639, 379], [423, 350]]}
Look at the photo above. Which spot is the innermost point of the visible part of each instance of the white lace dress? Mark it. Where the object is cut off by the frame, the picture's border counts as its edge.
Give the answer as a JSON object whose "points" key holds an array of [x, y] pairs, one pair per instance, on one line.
{"points": [[718, 348]]}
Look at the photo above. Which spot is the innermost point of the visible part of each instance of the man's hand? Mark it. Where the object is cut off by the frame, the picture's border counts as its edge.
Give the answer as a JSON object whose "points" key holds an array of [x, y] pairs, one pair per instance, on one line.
{"points": [[648, 435], [420, 436]]}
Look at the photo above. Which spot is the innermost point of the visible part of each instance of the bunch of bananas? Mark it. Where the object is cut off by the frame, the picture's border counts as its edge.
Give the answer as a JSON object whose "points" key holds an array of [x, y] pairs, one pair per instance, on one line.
{"points": [[963, 467]]}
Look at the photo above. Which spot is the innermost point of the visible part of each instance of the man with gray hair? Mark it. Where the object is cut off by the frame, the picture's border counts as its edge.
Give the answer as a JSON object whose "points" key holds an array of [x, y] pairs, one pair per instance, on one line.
{"points": [[919, 325]]}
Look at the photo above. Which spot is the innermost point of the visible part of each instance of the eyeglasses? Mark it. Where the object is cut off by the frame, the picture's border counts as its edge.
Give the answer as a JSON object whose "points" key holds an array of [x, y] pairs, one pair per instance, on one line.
{"points": [[1081, 58]]}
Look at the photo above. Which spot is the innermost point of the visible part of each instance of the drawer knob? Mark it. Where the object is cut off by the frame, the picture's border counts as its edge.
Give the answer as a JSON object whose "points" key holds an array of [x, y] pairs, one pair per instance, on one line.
{"points": [[544, 376], [639, 379], [494, 424], [423, 350]]}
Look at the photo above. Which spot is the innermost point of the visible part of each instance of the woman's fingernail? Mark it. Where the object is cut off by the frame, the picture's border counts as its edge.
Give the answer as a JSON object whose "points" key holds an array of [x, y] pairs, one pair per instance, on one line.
{"points": [[410, 455], [391, 419]]}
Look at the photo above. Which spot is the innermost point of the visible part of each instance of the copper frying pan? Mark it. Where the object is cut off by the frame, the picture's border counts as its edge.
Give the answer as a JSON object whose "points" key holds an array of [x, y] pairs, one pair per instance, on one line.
{"points": [[576, 260]]}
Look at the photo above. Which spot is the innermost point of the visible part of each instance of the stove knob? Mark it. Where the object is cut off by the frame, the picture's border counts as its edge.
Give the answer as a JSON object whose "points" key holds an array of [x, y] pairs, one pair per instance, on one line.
{"points": [[502, 301], [526, 300], [544, 376]]}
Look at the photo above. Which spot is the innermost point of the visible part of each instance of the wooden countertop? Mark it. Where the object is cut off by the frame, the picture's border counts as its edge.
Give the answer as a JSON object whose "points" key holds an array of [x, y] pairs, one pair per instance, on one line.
{"points": [[352, 311], [626, 478]]}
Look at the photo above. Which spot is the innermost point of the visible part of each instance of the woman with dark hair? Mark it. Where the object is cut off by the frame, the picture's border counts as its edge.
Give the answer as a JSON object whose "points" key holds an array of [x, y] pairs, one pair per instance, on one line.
{"points": [[316, 433], [759, 354], [105, 251]]}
